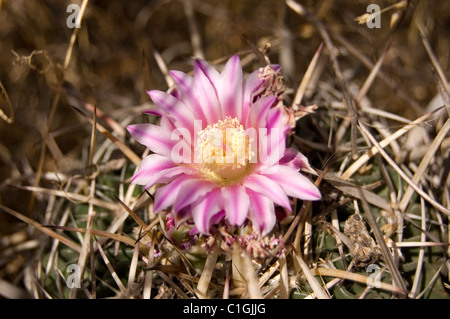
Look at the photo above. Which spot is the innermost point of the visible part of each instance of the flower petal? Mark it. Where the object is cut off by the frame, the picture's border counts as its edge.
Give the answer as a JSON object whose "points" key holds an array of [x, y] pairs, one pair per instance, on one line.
{"points": [[166, 124], [275, 118], [258, 82], [230, 88], [271, 147], [154, 137], [149, 166], [295, 184], [272, 137], [156, 112], [206, 209], [181, 216], [168, 175], [206, 95], [296, 160], [184, 82], [173, 108], [252, 84], [267, 187], [262, 212], [185, 85], [191, 191], [236, 204], [259, 110], [209, 71], [166, 195]]}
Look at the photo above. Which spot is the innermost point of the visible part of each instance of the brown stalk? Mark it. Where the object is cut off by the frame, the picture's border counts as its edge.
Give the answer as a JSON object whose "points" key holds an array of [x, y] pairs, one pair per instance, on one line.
{"points": [[397, 278], [306, 78], [56, 99], [85, 248], [120, 145], [205, 278], [353, 116], [354, 277], [110, 268], [41, 228], [429, 155], [136, 218], [315, 285], [8, 119], [405, 177], [74, 197], [373, 150], [95, 232]]}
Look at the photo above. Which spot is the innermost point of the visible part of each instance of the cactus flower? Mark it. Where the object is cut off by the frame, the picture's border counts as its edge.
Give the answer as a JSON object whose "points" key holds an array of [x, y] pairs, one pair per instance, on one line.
{"points": [[219, 151]]}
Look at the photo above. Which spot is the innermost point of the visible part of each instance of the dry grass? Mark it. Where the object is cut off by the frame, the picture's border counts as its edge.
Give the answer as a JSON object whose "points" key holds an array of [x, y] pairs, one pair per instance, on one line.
{"points": [[378, 138]]}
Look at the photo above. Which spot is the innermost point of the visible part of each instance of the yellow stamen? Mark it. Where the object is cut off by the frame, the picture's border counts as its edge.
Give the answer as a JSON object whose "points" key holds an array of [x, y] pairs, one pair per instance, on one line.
{"points": [[224, 151]]}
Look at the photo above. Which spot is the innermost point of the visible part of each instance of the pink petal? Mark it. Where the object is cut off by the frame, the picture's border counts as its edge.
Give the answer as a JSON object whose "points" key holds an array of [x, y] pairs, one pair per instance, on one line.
{"points": [[191, 191], [166, 195], [271, 145], [173, 108], [184, 82], [295, 184], [205, 211], [267, 187], [230, 88], [262, 212], [296, 160], [149, 166], [276, 67], [156, 112], [181, 216], [206, 95], [259, 110], [209, 71], [236, 204], [252, 84], [154, 137], [217, 217], [167, 124], [185, 85], [275, 118], [168, 175]]}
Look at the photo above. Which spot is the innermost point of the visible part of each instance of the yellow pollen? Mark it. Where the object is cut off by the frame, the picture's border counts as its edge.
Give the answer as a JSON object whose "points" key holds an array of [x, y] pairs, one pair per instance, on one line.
{"points": [[224, 150]]}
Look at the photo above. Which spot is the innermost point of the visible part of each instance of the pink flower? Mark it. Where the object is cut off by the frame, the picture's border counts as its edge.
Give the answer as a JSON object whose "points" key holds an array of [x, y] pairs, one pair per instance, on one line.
{"points": [[219, 150]]}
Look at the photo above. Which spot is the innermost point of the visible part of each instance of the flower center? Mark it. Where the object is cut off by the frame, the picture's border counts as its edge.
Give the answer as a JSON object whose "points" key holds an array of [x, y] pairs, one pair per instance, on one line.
{"points": [[224, 150]]}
